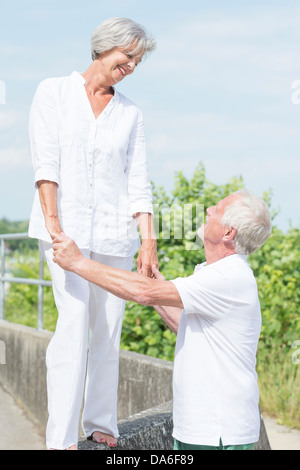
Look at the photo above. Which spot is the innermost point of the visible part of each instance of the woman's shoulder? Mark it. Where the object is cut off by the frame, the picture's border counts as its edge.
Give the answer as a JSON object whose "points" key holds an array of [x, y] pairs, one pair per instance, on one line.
{"points": [[53, 83], [127, 104]]}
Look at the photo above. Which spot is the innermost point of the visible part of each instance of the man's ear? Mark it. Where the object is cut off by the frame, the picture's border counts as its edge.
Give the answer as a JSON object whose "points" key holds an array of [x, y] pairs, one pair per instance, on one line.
{"points": [[229, 234]]}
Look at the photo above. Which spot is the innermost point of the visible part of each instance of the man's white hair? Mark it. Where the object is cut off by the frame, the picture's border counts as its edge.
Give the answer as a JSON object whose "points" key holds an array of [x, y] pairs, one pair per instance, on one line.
{"points": [[250, 216], [121, 32]]}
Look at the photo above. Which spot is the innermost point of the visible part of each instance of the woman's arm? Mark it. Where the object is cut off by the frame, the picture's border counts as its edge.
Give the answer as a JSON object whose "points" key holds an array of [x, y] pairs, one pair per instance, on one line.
{"points": [[48, 199], [148, 251], [140, 196]]}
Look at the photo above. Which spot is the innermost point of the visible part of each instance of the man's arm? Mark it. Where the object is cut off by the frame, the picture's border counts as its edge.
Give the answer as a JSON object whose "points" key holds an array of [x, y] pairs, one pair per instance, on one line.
{"points": [[170, 315], [124, 284]]}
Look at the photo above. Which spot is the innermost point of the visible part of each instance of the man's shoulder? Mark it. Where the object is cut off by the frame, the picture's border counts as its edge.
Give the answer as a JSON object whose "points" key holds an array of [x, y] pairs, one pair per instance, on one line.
{"points": [[225, 271], [234, 262]]}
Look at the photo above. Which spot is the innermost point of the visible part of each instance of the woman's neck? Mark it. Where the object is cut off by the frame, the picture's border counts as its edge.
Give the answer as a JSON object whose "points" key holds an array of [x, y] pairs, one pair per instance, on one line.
{"points": [[95, 82]]}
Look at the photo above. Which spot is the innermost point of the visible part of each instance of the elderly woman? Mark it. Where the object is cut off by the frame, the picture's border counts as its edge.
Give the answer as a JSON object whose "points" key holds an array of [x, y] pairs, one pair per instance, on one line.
{"points": [[88, 151]]}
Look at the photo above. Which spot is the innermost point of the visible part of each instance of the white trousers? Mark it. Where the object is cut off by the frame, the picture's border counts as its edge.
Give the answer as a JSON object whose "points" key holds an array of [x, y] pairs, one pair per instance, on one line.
{"points": [[83, 354]]}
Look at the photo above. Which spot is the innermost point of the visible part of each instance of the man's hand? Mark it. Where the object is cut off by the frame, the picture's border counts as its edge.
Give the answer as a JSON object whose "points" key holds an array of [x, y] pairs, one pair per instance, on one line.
{"points": [[156, 274], [66, 253], [159, 277]]}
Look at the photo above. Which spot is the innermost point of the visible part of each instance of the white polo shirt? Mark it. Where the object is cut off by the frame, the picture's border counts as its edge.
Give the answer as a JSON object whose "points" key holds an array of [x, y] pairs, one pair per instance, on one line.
{"points": [[100, 165], [215, 383]]}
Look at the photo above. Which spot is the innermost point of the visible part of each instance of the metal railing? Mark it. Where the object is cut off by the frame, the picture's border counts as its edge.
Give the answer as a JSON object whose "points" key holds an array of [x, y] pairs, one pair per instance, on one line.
{"points": [[40, 282]]}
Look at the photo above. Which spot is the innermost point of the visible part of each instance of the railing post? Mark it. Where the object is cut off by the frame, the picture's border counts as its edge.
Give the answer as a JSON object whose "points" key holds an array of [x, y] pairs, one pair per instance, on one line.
{"points": [[41, 283], [2, 314]]}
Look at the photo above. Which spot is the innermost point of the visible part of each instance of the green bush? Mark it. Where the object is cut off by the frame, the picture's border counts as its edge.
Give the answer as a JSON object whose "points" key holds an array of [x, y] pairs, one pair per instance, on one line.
{"points": [[277, 270], [21, 301]]}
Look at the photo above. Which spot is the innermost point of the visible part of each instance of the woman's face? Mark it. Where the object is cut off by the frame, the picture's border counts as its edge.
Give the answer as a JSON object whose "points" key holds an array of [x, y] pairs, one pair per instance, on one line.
{"points": [[118, 63]]}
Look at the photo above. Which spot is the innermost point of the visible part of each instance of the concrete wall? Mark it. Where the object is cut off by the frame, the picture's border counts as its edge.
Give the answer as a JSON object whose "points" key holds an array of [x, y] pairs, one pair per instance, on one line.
{"points": [[24, 371], [145, 389], [144, 381]]}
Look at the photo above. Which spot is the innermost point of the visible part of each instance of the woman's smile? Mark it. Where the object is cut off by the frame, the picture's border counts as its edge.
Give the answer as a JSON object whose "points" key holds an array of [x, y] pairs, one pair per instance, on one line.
{"points": [[122, 70]]}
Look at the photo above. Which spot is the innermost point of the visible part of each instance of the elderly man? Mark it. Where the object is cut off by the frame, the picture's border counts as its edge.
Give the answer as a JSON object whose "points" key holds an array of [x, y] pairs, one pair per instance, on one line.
{"points": [[216, 315]]}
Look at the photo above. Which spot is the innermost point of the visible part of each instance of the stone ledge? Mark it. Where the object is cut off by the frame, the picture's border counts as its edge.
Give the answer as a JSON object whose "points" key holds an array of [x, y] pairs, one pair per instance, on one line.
{"points": [[152, 430], [148, 430]]}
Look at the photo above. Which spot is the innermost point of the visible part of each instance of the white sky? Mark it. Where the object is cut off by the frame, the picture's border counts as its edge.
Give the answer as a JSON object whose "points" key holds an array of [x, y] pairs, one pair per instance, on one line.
{"points": [[218, 89]]}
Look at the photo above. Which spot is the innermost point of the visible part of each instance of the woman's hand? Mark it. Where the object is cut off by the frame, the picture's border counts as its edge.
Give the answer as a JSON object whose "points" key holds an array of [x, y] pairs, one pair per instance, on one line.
{"points": [[148, 251], [147, 257]]}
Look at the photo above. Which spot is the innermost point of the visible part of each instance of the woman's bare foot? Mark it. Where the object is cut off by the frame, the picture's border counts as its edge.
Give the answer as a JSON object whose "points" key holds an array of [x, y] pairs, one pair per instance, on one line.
{"points": [[102, 438]]}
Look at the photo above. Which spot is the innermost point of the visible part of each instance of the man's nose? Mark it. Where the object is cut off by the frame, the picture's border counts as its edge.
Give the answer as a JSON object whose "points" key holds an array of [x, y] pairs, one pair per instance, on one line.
{"points": [[209, 210]]}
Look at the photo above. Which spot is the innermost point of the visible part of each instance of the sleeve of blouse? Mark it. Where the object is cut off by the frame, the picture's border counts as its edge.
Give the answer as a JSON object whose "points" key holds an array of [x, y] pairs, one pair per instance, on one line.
{"points": [[139, 187], [43, 134]]}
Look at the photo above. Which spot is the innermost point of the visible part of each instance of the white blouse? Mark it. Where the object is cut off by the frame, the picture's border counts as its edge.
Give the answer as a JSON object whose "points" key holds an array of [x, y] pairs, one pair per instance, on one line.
{"points": [[99, 165]]}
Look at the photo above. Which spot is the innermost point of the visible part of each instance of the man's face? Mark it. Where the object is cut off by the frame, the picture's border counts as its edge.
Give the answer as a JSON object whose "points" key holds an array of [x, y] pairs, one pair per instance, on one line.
{"points": [[213, 231]]}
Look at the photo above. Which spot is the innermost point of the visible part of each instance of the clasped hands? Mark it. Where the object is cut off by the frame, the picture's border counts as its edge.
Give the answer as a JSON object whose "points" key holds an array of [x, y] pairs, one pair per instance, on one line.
{"points": [[68, 256]]}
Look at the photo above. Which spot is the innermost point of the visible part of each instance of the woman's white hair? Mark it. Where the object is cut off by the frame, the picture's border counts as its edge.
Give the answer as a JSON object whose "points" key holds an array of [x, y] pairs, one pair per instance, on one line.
{"points": [[250, 216], [121, 32]]}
